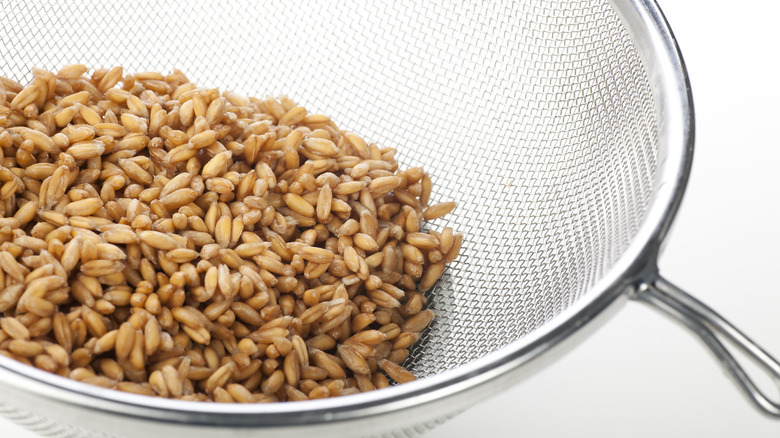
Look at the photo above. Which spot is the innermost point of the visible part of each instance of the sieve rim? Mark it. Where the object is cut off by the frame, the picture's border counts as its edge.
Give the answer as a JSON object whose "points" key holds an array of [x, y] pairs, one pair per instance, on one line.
{"points": [[662, 58]]}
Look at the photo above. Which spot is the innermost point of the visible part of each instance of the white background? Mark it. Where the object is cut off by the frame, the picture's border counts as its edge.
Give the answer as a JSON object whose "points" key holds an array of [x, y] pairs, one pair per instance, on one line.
{"points": [[642, 375]]}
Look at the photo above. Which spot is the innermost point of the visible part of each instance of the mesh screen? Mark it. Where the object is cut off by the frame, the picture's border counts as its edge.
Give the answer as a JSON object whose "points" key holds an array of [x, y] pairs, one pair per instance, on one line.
{"points": [[537, 117]]}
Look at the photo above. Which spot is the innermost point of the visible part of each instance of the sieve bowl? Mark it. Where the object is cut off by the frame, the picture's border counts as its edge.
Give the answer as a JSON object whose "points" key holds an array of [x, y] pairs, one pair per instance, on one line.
{"points": [[565, 132]]}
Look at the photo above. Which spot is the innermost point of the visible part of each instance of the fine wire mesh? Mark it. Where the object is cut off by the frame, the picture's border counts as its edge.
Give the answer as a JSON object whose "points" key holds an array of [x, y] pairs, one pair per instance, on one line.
{"points": [[536, 117]]}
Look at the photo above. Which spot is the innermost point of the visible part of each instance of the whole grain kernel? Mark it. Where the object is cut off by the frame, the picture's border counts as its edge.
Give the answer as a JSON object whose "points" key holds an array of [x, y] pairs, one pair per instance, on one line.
{"points": [[167, 239]]}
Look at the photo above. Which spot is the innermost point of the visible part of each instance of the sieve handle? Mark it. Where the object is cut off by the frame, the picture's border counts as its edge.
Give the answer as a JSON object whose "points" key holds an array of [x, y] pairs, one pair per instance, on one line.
{"points": [[712, 329]]}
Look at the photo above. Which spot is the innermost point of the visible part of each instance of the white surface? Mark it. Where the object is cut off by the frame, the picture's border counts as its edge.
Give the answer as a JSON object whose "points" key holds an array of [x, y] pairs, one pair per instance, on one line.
{"points": [[642, 375]]}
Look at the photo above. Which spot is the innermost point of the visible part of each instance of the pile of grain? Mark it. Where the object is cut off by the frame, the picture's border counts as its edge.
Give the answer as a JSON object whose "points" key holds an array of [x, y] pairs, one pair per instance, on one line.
{"points": [[165, 239]]}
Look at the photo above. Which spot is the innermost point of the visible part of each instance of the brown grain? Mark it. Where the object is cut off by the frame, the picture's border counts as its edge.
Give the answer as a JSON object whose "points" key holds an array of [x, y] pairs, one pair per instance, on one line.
{"points": [[395, 371], [15, 329], [165, 239], [437, 211]]}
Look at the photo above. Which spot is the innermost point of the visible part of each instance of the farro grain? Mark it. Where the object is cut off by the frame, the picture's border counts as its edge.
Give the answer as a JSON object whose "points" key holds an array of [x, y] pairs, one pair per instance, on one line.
{"points": [[135, 388], [383, 185], [220, 377], [349, 187], [352, 359], [422, 240], [157, 383], [313, 373], [72, 71], [158, 240], [395, 371], [15, 329], [58, 354], [41, 141], [11, 267], [403, 341], [110, 79], [326, 363], [173, 381], [273, 383], [400, 355], [364, 350], [83, 207], [390, 330], [25, 97], [452, 254], [446, 239], [99, 268], [365, 242], [106, 342], [362, 320], [437, 211], [25, 348], [137, 358], [412, 253], [216, 165], [431, 275], [237, 234]]}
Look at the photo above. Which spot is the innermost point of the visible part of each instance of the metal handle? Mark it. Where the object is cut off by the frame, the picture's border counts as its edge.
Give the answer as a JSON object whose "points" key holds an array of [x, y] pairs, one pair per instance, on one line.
{"points": [[712, 329]]}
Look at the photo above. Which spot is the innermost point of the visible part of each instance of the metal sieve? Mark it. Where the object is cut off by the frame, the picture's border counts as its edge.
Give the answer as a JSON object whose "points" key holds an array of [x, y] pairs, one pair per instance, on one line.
{"points": [[563, 129]]}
